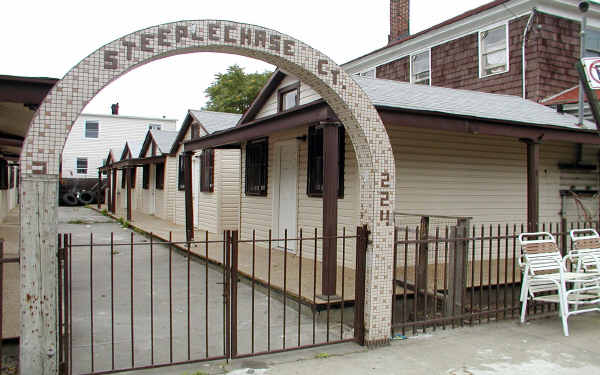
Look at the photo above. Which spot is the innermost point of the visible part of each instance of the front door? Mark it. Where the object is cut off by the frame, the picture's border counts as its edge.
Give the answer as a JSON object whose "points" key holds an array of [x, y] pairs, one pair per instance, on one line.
{"points": [[286, 165]]}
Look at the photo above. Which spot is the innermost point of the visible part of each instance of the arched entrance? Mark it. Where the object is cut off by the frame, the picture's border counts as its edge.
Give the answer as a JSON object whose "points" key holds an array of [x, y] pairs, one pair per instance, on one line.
{"points": [[53, 120]]}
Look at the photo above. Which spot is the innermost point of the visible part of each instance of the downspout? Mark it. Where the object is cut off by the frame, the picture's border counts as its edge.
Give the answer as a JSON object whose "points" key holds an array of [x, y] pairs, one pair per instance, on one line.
{"points": [[523, 59]]}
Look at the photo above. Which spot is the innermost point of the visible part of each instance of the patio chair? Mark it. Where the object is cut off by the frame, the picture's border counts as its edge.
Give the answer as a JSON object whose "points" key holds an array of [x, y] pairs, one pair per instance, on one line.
{"points": [[545, 278], [586, 243]]}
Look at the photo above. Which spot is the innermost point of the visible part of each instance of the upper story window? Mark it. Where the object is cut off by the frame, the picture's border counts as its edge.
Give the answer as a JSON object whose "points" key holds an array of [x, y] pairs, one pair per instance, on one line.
{"points": [[493, 51], [419, 68], [195, 131], [154, 127], [257, 156], [92, 129], [289, 96], [82, 165], [368, 74]]}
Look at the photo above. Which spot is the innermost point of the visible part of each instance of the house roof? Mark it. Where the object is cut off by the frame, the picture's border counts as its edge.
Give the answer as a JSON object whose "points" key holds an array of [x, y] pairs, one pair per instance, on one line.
{"points": [[163, 139], [465, 103], [215, 121], [134, 147], [567, 96], [210, 121]]}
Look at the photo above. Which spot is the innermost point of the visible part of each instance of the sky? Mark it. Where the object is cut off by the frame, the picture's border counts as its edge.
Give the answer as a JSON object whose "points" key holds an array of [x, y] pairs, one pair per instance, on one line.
{"points": [[44, 38]]}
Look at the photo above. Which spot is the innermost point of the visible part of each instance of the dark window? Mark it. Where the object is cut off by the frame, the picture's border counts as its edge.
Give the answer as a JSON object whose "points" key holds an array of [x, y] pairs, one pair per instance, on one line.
{"points": [[207, 171], [181, 174], [82, 165], [314, 184], [123, 178], [257, 156], [12, 177], [160, 176], [195, 131], [18, 177], [3, 174], [146, 176], [288, 97], [154, 126], [92, 129]]}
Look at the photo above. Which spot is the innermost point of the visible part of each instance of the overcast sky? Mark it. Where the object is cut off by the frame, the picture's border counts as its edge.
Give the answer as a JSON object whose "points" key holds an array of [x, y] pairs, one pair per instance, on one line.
{"points": [[47, 38]]}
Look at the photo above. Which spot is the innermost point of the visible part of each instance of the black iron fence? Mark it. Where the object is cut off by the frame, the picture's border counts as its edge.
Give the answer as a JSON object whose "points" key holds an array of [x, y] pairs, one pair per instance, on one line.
{"points": [[132, 302], [463, 274]]}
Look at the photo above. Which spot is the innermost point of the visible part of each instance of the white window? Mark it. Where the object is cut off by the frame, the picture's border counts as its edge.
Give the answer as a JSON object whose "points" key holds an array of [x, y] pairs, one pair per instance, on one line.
{"points": [[154, 126], [92, 129], [82, 165], [368, 74], [493, 51], [419, 68]]}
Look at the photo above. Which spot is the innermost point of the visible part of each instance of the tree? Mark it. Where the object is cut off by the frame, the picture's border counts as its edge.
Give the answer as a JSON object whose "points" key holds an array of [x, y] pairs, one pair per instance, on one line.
{"points": [[235, 90]]}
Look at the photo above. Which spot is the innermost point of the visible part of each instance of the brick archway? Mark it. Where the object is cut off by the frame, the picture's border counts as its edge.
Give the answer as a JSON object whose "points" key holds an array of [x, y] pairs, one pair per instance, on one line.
{"points": [[52, 122]]}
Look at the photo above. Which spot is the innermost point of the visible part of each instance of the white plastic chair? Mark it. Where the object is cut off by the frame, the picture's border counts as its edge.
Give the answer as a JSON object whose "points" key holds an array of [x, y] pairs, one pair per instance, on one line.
{"points": [[545, 278], [586, 243]]}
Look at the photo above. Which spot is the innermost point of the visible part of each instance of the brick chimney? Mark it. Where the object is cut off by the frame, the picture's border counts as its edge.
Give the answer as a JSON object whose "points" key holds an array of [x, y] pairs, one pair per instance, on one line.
{"points": [[399, 20], [114, 109]]}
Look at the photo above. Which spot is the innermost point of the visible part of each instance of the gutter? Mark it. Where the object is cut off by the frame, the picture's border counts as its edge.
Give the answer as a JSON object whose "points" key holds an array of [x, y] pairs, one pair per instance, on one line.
{"points": [[523, 58]]}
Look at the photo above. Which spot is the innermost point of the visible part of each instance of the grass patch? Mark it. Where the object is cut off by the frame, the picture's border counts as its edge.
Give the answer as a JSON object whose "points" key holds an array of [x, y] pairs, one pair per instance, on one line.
{"points": [[78, 221], [322, 355]]}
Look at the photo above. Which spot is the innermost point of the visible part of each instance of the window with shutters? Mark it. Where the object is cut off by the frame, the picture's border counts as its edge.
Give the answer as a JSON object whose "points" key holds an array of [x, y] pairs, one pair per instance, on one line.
{"points": [[257, 156], [315, 162], [207, 171], [181, 173], [3, 174], [160, 176], [146, 176]]}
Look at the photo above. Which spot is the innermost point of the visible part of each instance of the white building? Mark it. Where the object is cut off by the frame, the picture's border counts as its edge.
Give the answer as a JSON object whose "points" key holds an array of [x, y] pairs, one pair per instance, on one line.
{"points": [[93, 134]]}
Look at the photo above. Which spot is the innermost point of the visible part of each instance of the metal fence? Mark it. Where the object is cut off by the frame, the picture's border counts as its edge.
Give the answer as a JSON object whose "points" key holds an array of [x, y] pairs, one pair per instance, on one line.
{"points": [[143, 303], [463, 274]]}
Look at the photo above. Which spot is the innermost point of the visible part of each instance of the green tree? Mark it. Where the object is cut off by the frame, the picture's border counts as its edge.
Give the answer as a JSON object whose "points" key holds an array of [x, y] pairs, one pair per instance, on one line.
{"points": [[235, 90]]}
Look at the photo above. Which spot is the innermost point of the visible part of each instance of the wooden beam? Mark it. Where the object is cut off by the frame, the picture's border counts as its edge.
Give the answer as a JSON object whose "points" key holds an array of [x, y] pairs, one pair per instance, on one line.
{"points": [[311, 113], [330, 209], [189, 199], [99, 188], [128, 173], [108, 195], [397, 118], [114, 192]]}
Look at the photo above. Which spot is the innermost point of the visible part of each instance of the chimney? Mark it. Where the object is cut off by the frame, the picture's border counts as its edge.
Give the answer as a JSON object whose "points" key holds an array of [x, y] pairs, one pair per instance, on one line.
{"points": [[399, 20], [114, 109]]}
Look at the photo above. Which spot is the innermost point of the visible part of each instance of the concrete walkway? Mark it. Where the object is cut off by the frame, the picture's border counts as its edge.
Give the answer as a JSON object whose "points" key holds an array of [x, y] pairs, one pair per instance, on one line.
{"points": [[503, 348]]}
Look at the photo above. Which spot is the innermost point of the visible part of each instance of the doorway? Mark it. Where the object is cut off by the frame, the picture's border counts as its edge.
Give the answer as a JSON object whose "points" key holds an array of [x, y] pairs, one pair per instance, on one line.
{"points": [[285, 192]]}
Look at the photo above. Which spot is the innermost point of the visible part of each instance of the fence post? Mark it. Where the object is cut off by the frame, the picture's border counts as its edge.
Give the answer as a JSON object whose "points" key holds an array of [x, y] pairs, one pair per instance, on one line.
{"points": [[423, 255], [456, 266], [234, 290], [1, 297], [563, 236], [359, 284]]}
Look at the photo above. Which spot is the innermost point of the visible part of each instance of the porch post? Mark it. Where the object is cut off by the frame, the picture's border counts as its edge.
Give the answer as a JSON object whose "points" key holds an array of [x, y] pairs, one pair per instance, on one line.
{"points": [[108, 195], [533, 184], [189, 204], [128, 172], [330, 209], [114, 192], [99, 188]]}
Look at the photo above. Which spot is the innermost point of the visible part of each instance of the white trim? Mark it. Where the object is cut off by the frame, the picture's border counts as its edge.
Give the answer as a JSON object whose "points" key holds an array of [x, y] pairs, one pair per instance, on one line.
{"points": [[127, 117], [410, 64], [506, 46]]}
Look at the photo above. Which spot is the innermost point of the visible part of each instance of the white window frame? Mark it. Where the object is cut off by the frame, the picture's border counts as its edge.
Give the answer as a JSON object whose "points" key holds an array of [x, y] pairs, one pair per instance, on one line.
{"points": [[410, 68], [507, 48], [152, 126], [85, 124], [87, 165], [369, 73]]}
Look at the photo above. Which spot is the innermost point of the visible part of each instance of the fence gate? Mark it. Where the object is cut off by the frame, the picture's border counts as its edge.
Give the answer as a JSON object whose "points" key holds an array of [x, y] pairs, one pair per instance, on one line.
{"points": [[132, 302]]}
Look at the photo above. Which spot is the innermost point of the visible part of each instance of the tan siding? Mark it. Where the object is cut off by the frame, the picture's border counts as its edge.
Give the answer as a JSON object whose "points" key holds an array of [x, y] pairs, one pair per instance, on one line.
{"points": [[307, 95], [227, 168]]}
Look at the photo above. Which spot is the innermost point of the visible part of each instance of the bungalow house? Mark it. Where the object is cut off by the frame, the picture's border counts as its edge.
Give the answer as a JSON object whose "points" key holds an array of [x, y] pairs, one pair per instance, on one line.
{"points": [[130, 151], [216, 174], [105, 170], [494, 158]]}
